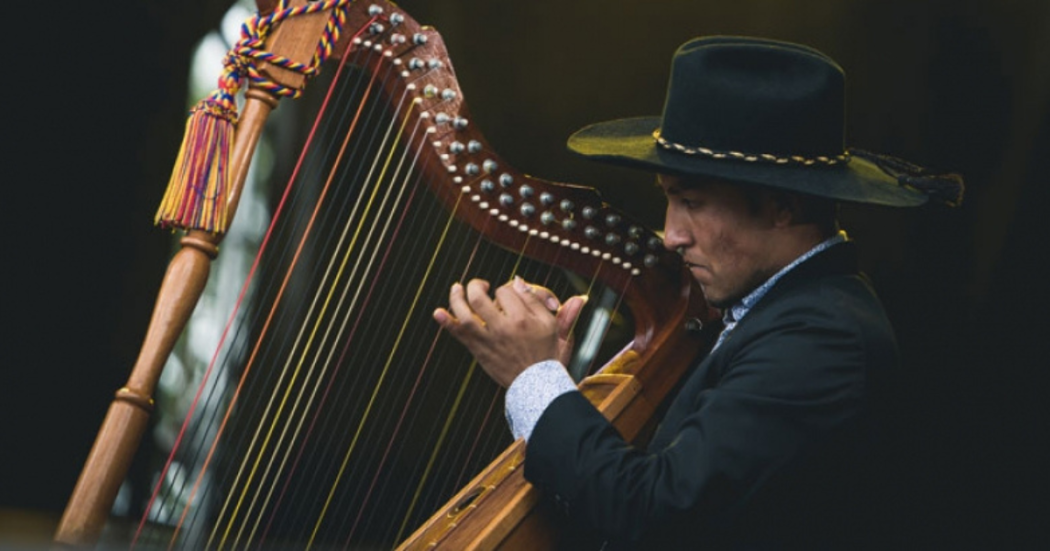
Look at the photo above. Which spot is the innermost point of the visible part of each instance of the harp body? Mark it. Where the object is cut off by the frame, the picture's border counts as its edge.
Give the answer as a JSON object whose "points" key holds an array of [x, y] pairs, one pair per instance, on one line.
{"points": [[566, 226]]}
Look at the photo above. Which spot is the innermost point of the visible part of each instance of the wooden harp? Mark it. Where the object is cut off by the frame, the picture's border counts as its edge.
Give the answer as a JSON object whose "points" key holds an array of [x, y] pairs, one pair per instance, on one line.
{"points": [[422, 150]]}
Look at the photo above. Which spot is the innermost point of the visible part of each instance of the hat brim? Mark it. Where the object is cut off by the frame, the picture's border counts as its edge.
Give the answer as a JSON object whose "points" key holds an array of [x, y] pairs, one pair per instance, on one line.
{"points": [[630, 142]]}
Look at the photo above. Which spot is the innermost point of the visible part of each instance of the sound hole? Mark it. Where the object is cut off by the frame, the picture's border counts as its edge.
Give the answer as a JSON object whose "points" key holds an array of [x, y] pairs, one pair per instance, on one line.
{"points": [[466, 502]]}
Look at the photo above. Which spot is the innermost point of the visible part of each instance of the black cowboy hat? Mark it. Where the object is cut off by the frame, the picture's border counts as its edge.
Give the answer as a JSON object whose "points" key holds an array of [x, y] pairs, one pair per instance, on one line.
{"points": [[766, 112]]}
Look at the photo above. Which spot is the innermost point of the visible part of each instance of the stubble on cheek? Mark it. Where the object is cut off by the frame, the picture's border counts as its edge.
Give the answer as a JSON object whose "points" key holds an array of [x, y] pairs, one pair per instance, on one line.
{"points": [[731, 273]]}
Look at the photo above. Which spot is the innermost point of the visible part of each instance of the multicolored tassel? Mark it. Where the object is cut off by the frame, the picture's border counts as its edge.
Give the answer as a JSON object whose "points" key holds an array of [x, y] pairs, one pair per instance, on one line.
{"points": [[198, 191]]}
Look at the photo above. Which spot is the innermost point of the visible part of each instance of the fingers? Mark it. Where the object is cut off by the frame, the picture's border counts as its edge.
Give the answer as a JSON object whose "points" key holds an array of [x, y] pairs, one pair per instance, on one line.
{"points": [[472, 304], [568, 313], [545, 296], [444, 318], [469, 306], [515, 299], [477, 296], [523, 325], [461, 316]]}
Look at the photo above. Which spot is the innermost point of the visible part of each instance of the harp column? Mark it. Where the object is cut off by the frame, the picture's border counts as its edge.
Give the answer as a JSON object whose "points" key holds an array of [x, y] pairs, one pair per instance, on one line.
{"points": [[88, 508], [128, 415]]}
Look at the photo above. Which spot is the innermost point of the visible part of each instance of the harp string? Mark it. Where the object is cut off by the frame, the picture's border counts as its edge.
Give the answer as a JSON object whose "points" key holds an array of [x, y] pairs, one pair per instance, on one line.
{"points": [[447, 424], [383, 232], [270, 395], [491, 402], [244, 375], [346, 318], [373, 485], [311, 333], [406, 409], [437, 449], [453, 409], [319, 318], [352, 308], [385, 370], [251, 360], [340, 362], [210, 370]]}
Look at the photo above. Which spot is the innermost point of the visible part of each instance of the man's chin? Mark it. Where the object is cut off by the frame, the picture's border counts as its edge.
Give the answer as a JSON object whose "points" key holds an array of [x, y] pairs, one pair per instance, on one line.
{"points": [[715, 300], [719, 300], [720, 304]]}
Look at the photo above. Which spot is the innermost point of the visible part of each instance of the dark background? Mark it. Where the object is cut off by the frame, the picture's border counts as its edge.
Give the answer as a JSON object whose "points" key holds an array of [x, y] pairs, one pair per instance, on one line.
{"points": [[96, 103]]}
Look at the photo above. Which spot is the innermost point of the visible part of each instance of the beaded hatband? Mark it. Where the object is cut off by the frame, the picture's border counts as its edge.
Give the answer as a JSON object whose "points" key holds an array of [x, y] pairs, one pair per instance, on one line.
{"points": [[842, 158]]}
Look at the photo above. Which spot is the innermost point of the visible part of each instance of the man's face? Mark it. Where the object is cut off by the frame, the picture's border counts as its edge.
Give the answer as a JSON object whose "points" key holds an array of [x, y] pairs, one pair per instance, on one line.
{"points": [[726, 243]]}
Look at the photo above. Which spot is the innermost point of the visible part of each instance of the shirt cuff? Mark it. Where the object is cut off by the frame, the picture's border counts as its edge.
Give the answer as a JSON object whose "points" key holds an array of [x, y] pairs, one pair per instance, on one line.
{"points": [[531, 392]]}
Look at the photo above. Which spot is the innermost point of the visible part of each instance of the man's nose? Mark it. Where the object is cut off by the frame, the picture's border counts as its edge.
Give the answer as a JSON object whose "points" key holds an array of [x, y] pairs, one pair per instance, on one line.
{"points": [[674, 237], [671, 241]]}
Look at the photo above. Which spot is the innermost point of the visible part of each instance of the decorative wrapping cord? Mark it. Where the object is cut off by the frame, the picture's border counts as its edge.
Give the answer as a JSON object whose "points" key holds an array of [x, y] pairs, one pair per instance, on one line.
{"points": [[196, 197], [947, 188], [842, 158]]}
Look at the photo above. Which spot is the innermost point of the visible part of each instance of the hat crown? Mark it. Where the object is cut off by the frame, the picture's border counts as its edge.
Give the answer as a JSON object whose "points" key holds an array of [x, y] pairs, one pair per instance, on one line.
{"points": [[755, 111], [755, 96]]}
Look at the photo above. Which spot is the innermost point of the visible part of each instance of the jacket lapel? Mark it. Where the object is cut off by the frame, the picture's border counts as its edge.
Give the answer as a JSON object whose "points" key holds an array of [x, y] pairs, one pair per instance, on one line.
{"points": [[839, 259]]}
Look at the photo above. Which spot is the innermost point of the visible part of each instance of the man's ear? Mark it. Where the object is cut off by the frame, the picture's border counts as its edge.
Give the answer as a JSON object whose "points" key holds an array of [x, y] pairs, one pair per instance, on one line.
{"points": [[788, 208]]}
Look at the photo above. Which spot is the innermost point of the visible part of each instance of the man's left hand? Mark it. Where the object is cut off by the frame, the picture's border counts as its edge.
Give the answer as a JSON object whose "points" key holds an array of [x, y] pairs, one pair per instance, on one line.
{"points": [[522, 325]]}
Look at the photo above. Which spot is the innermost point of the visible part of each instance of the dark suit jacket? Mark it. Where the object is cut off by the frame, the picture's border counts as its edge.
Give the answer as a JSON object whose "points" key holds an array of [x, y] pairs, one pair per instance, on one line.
{"points": [[764, 444]]}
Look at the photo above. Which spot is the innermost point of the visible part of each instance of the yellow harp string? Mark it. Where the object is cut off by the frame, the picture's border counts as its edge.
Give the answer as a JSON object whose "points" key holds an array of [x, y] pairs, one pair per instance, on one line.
{"points": [[244, 375], [383, 373], [459, 396], [351, 309], [451, 415], [299, 337], [437, 447], [310, 339]]}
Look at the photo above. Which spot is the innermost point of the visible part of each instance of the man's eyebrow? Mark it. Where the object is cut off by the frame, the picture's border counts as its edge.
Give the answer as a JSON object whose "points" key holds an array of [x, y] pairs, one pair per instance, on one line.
{"points": [[669, 189], [674, 189]]}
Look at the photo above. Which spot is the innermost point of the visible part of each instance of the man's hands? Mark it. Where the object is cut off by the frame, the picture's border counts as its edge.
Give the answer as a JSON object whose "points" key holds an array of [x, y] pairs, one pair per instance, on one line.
{"points": [[524, 324]]}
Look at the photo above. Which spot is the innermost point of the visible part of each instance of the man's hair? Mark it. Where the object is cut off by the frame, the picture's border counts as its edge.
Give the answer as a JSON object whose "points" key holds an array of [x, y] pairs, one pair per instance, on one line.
{"points": [[806, 209]]}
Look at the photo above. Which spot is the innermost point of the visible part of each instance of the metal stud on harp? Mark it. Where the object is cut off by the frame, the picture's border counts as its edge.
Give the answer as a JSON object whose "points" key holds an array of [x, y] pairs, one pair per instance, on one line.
{"points": [[397, 196]]}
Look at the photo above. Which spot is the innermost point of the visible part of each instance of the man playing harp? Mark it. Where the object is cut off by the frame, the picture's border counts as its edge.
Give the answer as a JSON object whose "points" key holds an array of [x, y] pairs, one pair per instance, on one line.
{"points": [[765, 442]]}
